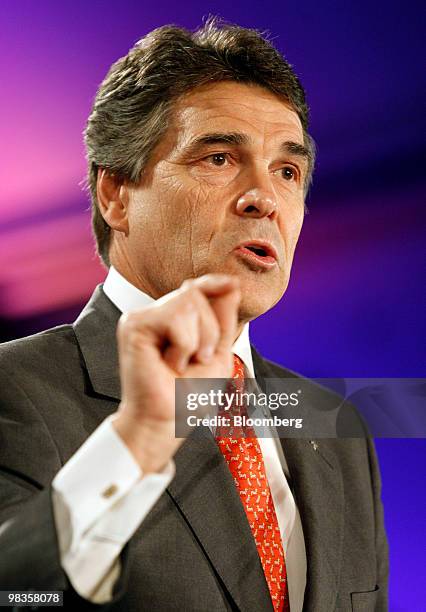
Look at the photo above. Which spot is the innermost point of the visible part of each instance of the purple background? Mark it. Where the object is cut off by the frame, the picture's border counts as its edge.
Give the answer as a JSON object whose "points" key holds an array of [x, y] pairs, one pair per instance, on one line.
{"points": [[355, 305]]}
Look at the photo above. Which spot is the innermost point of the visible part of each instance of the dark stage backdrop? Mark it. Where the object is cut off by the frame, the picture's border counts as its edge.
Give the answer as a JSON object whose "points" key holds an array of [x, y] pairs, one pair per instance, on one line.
{"points": [[355, 305]]}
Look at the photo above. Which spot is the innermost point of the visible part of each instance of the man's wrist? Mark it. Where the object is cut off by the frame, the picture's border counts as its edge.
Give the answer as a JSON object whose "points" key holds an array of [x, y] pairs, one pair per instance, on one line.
{"points": [[151, 442]]}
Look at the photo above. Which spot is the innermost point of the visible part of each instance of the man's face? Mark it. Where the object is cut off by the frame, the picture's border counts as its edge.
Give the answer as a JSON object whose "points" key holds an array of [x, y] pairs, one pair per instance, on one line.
{"points": [[223, 192]]}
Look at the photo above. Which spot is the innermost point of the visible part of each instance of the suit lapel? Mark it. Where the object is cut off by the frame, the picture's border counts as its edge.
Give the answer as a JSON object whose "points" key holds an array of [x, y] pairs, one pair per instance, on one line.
{"points": [[205, 494], [95, 330], [317, 486]]}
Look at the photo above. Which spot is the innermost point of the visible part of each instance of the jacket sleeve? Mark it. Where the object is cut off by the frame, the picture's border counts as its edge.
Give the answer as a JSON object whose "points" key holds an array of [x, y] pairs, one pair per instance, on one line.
{"points": [[29, 459]]}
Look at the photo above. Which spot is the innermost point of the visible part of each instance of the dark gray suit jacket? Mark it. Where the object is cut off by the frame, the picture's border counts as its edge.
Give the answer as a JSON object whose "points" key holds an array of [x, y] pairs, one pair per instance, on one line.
{"points": [[194, 552]]}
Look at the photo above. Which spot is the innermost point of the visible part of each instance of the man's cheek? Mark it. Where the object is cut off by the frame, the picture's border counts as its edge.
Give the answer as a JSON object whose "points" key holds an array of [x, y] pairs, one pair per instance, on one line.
{"points": [[295, 223], [201, 218], [198, 203]]}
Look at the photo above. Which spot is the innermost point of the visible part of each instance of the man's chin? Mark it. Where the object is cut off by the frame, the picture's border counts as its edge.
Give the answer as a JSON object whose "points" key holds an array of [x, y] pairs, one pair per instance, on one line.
{"points": [[260, 290], [256, 301]]}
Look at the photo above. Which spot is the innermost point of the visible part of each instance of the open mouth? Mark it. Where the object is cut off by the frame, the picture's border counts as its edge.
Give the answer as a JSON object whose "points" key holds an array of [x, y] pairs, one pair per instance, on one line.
{"points": [[257, 250], [259, 254]]}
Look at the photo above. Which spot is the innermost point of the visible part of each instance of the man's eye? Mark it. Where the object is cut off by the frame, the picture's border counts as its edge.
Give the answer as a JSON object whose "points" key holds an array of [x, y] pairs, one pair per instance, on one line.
{"points": [[218, 159], [288, 173]]}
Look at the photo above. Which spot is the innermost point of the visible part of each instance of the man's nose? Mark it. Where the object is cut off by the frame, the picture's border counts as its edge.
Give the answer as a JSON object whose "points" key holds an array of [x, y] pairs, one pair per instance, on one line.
{"points": [[258, 202]]}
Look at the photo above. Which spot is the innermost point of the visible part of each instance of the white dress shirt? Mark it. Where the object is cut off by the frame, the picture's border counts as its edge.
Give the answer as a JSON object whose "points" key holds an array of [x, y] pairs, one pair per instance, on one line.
{"points": [[96, 515]]}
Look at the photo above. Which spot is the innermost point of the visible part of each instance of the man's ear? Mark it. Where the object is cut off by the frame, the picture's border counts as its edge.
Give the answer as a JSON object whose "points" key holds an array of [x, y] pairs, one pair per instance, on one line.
{"points": [[113, 200]]}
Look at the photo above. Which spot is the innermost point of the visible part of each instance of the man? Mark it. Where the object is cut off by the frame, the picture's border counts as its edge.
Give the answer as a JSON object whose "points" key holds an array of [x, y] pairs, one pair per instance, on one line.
{"points": [[199, 163]]}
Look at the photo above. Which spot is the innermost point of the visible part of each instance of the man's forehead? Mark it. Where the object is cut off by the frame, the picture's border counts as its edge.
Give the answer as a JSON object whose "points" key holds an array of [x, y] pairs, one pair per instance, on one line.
{"points": [[235, 106]]}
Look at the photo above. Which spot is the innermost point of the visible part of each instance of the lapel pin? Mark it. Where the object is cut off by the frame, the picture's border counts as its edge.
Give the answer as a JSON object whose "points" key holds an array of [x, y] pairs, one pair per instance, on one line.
{"points": [[314, 444]]}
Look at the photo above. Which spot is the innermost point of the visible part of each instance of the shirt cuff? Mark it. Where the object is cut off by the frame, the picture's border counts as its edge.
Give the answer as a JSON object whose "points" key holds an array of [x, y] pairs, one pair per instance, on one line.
{"points": [[100, 474]]}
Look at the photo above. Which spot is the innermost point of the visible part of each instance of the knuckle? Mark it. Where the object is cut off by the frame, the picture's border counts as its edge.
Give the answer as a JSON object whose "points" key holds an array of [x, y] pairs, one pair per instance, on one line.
{"points": [[188, 283], [133, 322], [127, 323], [184, 341], [133, 329]]}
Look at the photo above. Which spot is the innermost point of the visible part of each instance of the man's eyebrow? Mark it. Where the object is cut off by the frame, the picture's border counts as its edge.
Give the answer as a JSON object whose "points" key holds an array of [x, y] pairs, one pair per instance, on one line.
{"points": [[230, 138], [295, 148]]}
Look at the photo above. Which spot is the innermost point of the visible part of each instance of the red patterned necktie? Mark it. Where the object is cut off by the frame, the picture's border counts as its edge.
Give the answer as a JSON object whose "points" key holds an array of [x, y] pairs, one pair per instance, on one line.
{"points": [[241, 450]]}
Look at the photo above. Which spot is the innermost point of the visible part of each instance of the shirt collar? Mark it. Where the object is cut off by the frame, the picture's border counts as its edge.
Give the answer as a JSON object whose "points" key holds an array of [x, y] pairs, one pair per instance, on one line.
{"points": [[127, 297]]}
